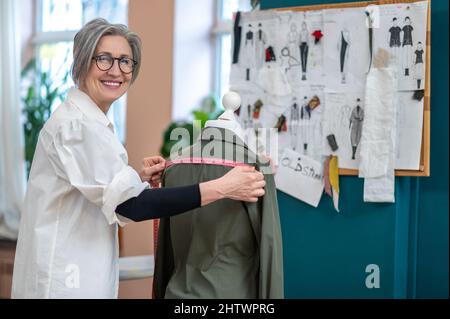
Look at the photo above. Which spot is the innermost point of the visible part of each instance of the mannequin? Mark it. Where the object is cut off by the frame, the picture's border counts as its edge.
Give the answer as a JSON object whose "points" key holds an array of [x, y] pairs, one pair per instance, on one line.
{"points": [[228, 249], [231, 102]]}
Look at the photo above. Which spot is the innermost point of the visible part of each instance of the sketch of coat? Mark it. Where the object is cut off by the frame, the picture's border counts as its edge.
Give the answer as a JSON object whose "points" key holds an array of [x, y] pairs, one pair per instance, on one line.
{"points": [[227, 249], [356, 122]]}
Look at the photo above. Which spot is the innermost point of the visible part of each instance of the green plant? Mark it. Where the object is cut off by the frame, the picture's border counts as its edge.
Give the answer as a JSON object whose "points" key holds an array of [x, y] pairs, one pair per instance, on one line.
{"points": [[207, 111], [40, 95]]}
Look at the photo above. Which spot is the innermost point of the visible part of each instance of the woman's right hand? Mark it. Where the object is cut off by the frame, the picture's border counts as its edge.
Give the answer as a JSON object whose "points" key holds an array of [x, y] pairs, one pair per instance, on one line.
{"points": [[242, 183]]}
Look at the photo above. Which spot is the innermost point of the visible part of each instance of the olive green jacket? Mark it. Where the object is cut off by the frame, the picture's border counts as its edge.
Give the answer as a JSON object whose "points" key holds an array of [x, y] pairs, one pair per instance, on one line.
{"points": [[227, 249]]}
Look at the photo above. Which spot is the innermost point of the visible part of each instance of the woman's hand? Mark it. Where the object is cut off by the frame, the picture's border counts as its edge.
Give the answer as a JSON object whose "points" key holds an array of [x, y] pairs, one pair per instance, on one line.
{"points": [[152, 169], [242, 183]]}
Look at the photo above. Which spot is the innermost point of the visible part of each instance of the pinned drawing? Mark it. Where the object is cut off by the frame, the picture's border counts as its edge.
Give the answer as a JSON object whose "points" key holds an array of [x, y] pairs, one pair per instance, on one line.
{"points": [[300, 55], [402, 26], [343, 119], [346, 49]]}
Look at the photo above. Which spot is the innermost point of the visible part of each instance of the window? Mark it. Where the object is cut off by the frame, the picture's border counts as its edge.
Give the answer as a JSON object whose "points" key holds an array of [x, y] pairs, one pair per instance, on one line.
{"points": [[223, 29], [57, 23]]}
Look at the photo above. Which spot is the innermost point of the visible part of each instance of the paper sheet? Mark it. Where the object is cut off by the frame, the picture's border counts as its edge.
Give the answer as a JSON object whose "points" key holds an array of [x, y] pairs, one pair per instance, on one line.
{"points": [[346, 49], [409, 132], [303, 126], [401, 29], [300, 177], [300, 57], [344, 120]]}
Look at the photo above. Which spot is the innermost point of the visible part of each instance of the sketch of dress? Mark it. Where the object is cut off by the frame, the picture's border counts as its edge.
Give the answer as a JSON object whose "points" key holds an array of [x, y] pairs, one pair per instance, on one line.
{"points": [[394, 38], [293, 125], [304, 47], [419, 70], [293, 44], [356, 122], [290, 53], [249, 52], [407, 45], [344, 48], [260, 43]]}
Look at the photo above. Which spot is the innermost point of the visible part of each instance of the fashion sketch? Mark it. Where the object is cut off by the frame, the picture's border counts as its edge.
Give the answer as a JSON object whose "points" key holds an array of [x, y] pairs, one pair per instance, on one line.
{"points": [[418, 63], [293, 42], [356, 123], [394, 39], [290, 53], [293, 124], [407, 45], [248, 117], [260, 44], [249, 51], [344, 44], [304, 47], [370, 23], [305, 117]]}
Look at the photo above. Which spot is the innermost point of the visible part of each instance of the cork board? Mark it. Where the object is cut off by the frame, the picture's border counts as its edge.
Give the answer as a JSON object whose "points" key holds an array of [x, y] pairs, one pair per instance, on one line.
{"points": [[424, 167]]}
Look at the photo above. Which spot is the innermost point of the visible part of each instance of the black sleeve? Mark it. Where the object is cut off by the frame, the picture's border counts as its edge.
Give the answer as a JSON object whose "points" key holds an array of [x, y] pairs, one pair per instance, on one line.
{"points": [[161, 202]]}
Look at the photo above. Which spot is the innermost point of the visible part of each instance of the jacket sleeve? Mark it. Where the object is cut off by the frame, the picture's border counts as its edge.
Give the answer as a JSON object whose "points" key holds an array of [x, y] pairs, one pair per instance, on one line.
{"points": [[96, 165], [271, 279]]}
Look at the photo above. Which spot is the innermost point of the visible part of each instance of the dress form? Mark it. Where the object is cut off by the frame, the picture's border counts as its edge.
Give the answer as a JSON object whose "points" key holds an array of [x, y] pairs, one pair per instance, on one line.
{"points": [[231, 101]]}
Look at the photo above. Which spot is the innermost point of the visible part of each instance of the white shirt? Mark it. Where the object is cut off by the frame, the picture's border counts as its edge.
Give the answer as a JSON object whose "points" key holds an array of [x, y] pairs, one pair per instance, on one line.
{"points": [[68, 245]]}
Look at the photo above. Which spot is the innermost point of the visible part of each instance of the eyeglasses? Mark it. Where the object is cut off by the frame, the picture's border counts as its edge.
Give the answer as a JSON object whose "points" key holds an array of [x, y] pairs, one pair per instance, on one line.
{"points": [[105, 62]]}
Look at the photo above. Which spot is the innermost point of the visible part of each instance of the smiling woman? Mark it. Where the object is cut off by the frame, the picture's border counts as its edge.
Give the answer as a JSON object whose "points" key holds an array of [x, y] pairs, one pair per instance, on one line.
{"points": [[81, 187], [106, 80]]}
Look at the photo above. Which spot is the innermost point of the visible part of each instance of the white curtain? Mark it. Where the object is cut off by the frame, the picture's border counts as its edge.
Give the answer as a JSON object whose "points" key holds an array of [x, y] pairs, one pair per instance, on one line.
{"points": [[12, 166]]}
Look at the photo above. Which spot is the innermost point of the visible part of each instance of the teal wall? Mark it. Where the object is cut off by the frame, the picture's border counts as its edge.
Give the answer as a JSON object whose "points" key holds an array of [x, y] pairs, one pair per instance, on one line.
{"points": [[326, 253]]}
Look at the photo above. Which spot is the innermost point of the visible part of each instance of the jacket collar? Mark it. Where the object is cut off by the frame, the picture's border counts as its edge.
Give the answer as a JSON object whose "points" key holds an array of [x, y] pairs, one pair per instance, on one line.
{"points": [[85, 104]]}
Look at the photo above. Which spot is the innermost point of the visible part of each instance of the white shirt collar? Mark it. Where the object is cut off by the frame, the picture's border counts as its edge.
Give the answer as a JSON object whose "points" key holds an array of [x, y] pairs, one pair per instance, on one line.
{"points": [[85, 104]]}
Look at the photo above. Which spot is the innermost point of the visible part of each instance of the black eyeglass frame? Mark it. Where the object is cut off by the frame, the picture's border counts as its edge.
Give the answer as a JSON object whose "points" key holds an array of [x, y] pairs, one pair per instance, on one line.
{"points": [[112, 64]]}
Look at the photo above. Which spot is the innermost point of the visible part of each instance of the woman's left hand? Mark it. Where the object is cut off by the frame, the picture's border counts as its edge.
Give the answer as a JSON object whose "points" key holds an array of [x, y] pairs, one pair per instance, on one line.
{"points": [[152, 169]]}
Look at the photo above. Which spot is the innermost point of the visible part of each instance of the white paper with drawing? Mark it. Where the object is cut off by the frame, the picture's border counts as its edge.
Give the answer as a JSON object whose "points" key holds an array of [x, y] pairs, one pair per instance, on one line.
{"points": [[303, 129], [300, 177], [343, 122], [301, 57], [402, 30], [346, 49], [259, 33]]}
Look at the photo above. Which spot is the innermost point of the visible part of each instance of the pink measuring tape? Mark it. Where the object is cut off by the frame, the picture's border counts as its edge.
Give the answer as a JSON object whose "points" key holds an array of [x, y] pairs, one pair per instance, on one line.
{"points": [[206, 161]]}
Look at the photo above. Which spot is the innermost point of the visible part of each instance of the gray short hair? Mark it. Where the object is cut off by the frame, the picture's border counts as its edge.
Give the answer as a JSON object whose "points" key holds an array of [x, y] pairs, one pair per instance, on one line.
{"points": [[86, 41]]}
